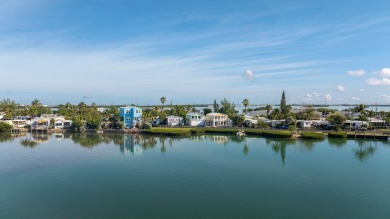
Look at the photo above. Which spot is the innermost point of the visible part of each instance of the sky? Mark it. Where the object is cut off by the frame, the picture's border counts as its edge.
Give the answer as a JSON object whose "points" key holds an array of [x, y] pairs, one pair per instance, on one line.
{"points": [[135, 52]]}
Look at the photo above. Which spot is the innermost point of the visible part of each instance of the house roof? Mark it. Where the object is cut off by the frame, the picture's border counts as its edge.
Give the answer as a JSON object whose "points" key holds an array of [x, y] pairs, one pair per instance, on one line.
{"points": [[216, 114]]}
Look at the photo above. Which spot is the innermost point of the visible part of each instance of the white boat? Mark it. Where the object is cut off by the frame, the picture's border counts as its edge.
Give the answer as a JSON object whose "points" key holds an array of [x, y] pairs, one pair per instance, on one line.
{"points": [[240, 133]]}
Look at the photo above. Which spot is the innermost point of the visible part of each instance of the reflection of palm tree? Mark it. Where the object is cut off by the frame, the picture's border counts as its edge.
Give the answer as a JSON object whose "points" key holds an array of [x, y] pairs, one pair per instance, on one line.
{"points": [[364, 151], [280, 146], [338, 142], [28, 143], [245, 150]]}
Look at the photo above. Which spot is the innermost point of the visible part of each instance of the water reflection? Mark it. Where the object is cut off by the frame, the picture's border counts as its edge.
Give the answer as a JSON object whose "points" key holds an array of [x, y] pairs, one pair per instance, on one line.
{"points": [[131, 145], [137, 144], [337, 142], [28, 142], [365, 150], [6, 137], [279, 146]]}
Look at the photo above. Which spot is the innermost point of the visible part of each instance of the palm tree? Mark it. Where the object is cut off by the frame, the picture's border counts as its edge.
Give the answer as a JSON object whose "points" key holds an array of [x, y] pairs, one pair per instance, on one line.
{"points": [[268, 108], [245, 102], [163, 100]]}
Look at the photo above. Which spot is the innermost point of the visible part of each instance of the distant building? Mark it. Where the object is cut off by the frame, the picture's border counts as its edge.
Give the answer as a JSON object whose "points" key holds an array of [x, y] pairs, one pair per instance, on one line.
{"points": [[62, 124], [131, 116], [174, 120], [195, 119], [217, 120]]}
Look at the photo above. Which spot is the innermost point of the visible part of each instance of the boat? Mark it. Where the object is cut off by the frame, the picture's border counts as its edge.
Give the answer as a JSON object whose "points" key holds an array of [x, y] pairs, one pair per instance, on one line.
{"points": [[240, 133], [99, 132]]}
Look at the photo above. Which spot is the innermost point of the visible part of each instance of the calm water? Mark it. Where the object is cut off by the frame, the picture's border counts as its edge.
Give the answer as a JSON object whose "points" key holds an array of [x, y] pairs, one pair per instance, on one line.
{"points": [[125, 176]]}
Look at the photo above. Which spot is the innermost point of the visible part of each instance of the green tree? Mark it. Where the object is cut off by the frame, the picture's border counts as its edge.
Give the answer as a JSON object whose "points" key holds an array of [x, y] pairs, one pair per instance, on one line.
{"points": [[78, 125], [9, 107], [261, 124], [268, 108], [227, 108], [336, 119], [5, 127], [245, 102], [283, 104], [94, 119], [207, 111], [215, 106], [276, 114]]}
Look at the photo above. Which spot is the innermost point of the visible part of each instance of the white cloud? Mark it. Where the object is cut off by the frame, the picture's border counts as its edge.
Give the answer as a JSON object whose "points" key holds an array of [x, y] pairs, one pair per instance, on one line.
{"points": [[341, 88], [316, 94], [356, 72], [378, 82], [309, 95], [248, 75], [355, 98], [328, 97], [385, 72]]}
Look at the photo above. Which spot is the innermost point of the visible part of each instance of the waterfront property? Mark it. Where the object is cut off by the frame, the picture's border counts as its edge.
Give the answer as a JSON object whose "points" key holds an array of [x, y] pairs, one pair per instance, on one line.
{"points": [[354, 124], [40, 123], [17, 123], [131, 116], [378, 123], [174, 120], [210, 176], [62, 124], [195, 119], [217, 120]]}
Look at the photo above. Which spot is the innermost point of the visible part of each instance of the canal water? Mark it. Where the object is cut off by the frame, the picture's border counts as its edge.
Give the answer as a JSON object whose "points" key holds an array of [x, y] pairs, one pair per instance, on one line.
{"points": [[211, 176]]}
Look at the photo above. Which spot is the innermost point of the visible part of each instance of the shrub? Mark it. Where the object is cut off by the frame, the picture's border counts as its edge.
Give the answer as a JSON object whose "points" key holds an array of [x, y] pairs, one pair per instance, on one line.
{"points": [[146, 125], [5, 127], [197, 131], [169, 131], [337, 135], [232, 131], [313, 135], [270, 133], [292, 128], [277, 134]]}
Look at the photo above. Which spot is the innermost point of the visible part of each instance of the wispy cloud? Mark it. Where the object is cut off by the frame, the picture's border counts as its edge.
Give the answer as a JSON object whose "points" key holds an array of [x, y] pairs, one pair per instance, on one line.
{"points": [[384, 72], [378, 82], [356, 72]]}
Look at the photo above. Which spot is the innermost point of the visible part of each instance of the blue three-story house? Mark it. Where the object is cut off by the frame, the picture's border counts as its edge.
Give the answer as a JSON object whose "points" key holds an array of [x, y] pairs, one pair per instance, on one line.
{"points": [[131, 116]]}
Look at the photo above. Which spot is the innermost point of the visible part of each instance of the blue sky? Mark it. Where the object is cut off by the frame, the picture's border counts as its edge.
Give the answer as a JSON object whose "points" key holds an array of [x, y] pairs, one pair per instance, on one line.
{"points": [[126, 52]]}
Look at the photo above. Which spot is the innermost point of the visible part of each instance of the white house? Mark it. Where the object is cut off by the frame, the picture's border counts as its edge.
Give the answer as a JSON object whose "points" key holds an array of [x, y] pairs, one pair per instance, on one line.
{"points": [[304, 124], [195, 119], [354, 124], [378, 123], [2, 114], [40, 123], [217, 120], [62, 124], [174, 120], [17, 123], [250, 121]]}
